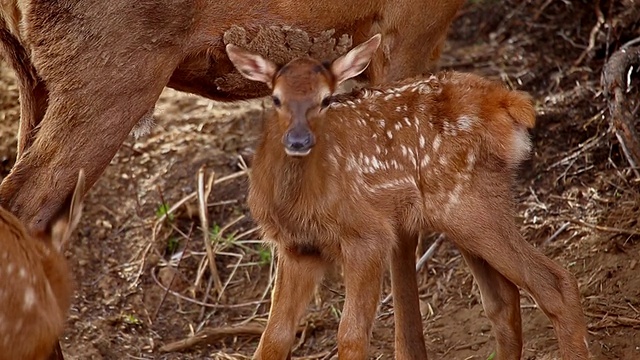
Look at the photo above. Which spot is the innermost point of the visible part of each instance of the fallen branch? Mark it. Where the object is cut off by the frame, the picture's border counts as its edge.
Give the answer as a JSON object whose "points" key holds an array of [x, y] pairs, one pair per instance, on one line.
{"points": [[606, 228], [209, 335], [612, 320]]}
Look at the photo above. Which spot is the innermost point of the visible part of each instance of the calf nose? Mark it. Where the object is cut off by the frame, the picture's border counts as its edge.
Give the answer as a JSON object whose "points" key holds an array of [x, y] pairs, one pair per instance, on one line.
{"points": [[298, 142]]}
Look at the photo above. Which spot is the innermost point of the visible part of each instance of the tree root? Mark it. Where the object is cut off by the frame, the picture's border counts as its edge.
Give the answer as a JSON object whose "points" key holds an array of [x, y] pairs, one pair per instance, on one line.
{"points": [[616, 81]]}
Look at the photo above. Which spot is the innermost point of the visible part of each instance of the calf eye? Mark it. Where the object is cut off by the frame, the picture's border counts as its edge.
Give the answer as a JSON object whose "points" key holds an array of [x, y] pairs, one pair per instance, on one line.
{"points": [[276, 101], [326, 102]]}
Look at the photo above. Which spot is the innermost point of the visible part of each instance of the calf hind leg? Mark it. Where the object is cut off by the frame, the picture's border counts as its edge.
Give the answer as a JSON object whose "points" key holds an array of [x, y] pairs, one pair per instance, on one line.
{"points": [[501, 245], [409, 341], [501, 302]]}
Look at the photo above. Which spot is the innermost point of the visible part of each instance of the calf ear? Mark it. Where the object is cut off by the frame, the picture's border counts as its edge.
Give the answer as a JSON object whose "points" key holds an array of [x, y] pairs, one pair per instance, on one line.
{"points": [[251, 66], [356, 60]]}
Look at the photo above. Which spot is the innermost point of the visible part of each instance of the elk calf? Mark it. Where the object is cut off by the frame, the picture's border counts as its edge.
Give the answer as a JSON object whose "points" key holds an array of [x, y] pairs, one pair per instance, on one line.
{"points": [[35, 284], [354, 178]]}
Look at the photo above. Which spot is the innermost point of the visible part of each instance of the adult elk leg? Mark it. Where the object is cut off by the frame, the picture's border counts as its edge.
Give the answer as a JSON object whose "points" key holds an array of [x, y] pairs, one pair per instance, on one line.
{"points": [[363, 267], [78, 132], [296, 280], [489, 233], [409, 343], [501, 302]]}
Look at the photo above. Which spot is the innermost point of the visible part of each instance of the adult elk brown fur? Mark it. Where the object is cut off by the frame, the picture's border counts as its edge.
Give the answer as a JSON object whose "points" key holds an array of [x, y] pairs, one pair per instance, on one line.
{"points": [[35, 283], [354, 178], [90, 70]]}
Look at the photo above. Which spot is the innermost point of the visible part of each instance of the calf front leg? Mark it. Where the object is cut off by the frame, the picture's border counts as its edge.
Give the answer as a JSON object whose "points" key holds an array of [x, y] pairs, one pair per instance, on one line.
{"points": [[364, 263], [409, 343], [296, 280]]}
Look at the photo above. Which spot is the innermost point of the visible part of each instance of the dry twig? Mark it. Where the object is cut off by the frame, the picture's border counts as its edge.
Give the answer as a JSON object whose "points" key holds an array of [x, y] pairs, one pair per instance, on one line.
{"points": [[592, 36], [197, 302], [611, 320], [606, 228], [210, 335], [204, 223], [142, 254], [164, 295], [423, 260]]}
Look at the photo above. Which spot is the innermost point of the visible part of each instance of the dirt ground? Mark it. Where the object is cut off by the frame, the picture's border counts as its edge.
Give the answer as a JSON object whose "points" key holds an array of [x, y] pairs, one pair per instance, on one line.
{"points": [[577, 185]]}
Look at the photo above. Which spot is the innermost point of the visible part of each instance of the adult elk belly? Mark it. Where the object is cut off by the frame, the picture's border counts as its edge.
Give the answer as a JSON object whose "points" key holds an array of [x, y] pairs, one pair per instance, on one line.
{"points": [[88, 71]]}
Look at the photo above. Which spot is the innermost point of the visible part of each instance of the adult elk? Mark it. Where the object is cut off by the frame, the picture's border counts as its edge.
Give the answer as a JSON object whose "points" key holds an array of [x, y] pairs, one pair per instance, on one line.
{"points": [[36, 285], [354, 178], [89, 70]]}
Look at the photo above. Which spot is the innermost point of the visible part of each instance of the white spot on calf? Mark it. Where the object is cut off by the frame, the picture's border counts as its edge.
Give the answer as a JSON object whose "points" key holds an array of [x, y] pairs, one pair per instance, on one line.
{"points": [[398, 126], [423, 142], [333, 160], [10, 268], [471, 160], [395, 183], [425, 161], [389, 134], [453, 198], [29, 298], [436, 143], [22, 273], [465, 122], [375, 163]]}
